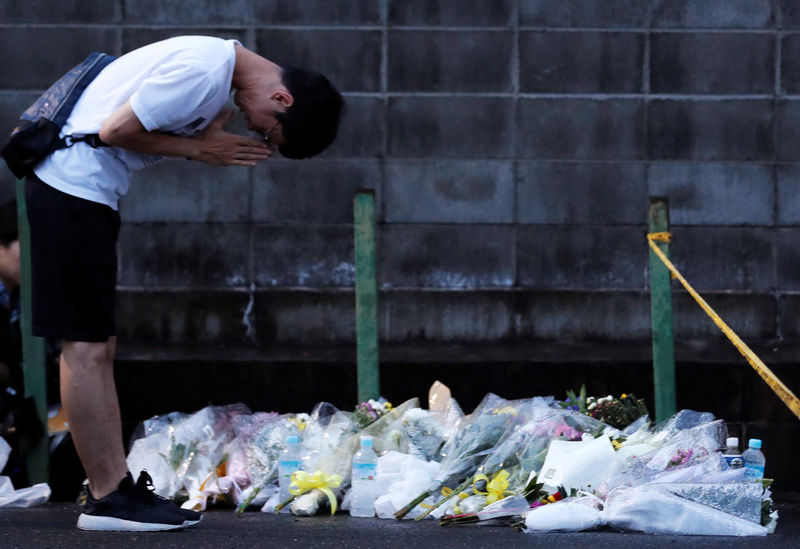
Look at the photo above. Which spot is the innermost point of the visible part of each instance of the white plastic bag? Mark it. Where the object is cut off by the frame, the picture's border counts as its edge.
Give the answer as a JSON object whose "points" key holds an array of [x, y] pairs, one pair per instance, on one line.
{"points": [[570, 515], [6, 487], [25, 497], [5, 451], [400, 477]]}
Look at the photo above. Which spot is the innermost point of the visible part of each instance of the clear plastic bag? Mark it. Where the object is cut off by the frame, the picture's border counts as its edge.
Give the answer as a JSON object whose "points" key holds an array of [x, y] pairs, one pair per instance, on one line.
{"points": [[688, 447], [506, 507], [652, 509], [387, 431]]}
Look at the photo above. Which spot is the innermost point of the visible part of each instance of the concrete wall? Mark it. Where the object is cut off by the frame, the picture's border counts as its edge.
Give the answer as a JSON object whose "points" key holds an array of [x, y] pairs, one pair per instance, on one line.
{"points": [[513, 145]]}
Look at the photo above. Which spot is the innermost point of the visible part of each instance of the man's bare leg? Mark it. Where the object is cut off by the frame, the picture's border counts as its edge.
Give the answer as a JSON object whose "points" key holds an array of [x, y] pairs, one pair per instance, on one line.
{"points": [[89, 400]]}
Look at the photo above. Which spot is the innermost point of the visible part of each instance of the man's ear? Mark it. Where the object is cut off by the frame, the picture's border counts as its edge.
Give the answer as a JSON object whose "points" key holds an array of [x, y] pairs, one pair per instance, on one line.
{"points": [[283, 97]]}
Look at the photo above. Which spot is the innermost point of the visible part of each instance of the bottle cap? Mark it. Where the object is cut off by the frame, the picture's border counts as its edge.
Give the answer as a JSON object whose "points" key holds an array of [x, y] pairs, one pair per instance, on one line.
{"points": [[732, 441], [366, 442], [754, 443], [293, 439]]}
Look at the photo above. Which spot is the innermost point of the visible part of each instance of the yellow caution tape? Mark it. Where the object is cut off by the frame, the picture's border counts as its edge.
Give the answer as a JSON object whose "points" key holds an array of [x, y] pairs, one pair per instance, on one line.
{"points": [[783, 392], [661, 237]]}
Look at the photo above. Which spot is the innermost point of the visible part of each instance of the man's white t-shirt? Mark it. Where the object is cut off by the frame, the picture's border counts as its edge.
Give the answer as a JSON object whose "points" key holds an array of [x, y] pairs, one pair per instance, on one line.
{"points": [[176, 86]]}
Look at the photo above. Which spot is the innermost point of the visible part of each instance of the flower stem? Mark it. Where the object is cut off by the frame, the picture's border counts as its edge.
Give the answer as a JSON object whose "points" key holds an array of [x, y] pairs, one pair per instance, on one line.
{"points": [[283, 504], [246, 503], [450, 520], [460, 488], [407, 509]]}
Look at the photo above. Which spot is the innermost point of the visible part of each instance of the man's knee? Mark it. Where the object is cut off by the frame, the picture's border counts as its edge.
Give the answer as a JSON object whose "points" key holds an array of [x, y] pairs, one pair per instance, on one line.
{"points": [[86, 355]]}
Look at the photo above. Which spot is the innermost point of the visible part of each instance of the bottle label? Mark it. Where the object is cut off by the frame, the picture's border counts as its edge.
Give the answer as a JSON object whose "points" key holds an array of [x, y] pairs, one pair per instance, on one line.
{"points": [[289, 466], [364, 471], [754, 472], [734, 461]]}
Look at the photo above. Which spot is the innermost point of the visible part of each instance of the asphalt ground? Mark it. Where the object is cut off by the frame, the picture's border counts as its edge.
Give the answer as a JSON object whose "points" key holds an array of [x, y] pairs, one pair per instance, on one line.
{"points": [[52, 526]]}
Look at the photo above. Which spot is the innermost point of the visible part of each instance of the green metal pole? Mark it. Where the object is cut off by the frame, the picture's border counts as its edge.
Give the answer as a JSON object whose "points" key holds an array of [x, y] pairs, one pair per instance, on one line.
{"points": [[33, 353], [366, 296], [661, 315]]}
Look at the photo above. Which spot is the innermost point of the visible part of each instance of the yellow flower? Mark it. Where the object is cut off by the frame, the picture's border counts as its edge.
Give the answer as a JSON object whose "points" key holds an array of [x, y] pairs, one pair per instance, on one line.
{"points": [[624, 395]]}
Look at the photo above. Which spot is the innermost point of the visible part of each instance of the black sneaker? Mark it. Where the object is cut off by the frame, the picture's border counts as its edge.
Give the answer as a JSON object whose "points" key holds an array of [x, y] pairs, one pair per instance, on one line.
{"points": [[128, 510], [144, 485]]}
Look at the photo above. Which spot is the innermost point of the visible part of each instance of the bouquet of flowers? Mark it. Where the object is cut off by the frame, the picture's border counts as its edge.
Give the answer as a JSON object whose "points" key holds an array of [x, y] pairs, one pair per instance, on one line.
{"points": [[387, 431], [424, 433], [490, 481], [616, 412], [260, 441], [462, 454], [328, 444], [330, 440], [370, 411], [183, 452]]}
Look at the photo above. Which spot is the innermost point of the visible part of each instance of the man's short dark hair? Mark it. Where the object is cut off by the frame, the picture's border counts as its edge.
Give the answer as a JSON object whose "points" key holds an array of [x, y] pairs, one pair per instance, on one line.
{"points": [[8, 223], [311, 123]]}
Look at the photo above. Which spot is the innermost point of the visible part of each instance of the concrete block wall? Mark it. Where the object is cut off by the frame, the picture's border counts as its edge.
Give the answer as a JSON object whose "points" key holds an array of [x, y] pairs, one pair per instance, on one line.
{"points": [[512, 145]]}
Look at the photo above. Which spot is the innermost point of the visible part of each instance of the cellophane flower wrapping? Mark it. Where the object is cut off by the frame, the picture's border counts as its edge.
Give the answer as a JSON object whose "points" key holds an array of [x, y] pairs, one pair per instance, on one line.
{"points": [[673, 479], [424, 433], [522, 449], [387, 432], [653, 509], [332, 438], [504, 455], [329, 441], [476, 436], [182, 452], [668, 478], [255, 452]]}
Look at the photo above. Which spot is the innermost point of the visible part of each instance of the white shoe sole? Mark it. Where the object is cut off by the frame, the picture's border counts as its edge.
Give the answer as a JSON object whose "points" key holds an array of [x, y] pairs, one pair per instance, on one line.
{"points": [[190, 523], [106, 524]]}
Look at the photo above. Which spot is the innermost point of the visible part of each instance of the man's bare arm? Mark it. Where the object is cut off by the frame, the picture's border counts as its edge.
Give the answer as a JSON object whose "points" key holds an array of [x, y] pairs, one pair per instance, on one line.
{"points": [[214, 146]]}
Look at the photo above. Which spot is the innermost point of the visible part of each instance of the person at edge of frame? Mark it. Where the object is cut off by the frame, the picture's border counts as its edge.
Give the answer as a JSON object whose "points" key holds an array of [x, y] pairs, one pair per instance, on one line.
{"points": [[20, 426], [165, 99]]}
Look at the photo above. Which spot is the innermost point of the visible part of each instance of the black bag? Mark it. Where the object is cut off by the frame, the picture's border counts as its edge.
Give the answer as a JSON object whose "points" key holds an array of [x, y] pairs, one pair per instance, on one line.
{"points": [[37, 134]]}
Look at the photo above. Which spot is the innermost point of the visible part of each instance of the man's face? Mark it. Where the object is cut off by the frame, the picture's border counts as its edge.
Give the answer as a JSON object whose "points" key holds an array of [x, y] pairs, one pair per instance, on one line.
{"points": [[9, 263], [260, 114]]}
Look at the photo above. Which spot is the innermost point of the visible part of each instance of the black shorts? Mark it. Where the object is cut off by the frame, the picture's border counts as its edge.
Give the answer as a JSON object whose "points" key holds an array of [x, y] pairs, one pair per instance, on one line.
{"points": [[73, 263]]}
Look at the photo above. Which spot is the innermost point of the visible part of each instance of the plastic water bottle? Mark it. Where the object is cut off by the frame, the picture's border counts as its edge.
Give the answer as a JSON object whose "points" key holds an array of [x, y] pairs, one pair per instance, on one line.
{"points": [[753, 460], [365, 467], [732, 455], [291, 460]]}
